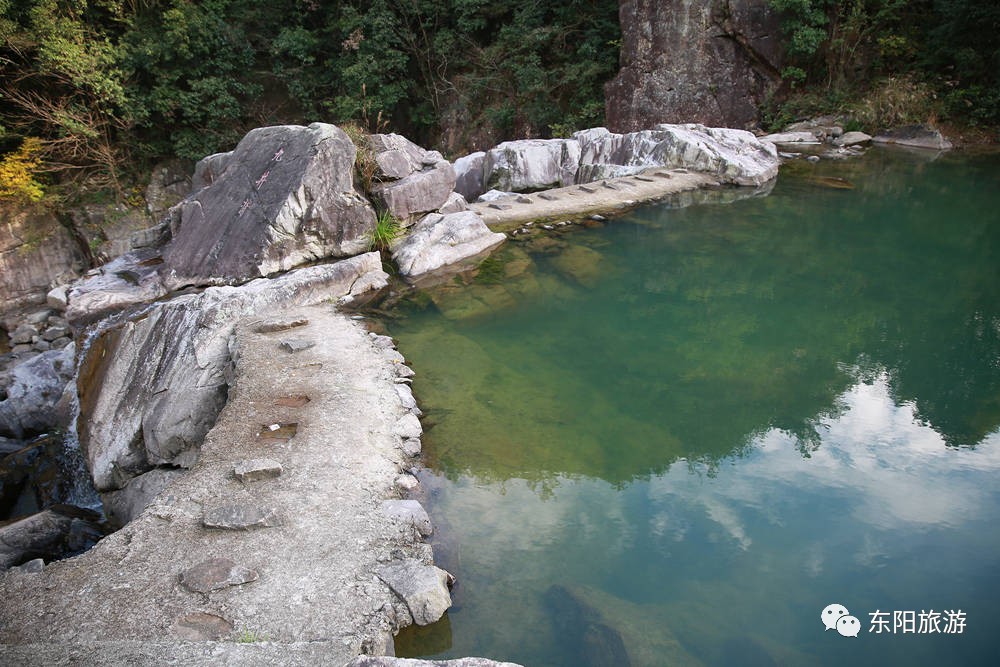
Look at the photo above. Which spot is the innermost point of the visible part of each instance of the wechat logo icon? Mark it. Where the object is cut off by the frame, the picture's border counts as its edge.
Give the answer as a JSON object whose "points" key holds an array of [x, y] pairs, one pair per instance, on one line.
{"points": [[836, 617]]}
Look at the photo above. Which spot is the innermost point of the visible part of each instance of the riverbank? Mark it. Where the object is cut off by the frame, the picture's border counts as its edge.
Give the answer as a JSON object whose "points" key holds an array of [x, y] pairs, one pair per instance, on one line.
{"points": [[295, 557]]}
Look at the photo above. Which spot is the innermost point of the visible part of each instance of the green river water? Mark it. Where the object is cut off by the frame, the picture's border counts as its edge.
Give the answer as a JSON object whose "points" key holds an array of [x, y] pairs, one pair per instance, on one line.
{"points": [[675, 438]]}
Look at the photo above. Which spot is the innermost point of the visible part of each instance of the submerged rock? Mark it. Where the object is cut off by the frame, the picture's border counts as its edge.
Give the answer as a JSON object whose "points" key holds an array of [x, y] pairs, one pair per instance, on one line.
{"points": [[285, 197], [439, 241], [916, 136]]}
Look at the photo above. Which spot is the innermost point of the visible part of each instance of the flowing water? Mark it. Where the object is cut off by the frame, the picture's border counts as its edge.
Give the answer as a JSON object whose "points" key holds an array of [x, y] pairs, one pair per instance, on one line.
{"points": [[678, 437]]}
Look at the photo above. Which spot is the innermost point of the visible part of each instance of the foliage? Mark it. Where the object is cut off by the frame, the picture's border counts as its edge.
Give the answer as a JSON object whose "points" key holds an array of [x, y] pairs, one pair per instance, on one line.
{"points": [[387, 229], [18, 170]]}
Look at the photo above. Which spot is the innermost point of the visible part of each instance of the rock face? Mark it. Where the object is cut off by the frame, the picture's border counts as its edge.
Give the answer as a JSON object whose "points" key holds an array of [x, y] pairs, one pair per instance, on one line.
{"points": [[731, 60], [469, 175], [30, 399], [36, 254], [733, 156], [126, 504], [284, 197], [438, 241], [151, 387], [130, 279], [411, 180], [531, 164]]}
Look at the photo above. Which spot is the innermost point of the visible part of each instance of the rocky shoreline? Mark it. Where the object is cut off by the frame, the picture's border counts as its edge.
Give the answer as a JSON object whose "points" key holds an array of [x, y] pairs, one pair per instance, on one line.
{"points": [[253, 441]]}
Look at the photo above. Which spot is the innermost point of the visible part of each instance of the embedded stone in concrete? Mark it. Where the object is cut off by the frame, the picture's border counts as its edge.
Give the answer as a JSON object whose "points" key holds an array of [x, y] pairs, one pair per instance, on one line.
{"points": [[409, 512], [293, 401], [423, 588], [201, 626], [406, 398], [407, 482], [404, 371], [254, 470], [214, 574], [241, 517], [408, 427], [278, 432], [296, 345], [281, 325]]}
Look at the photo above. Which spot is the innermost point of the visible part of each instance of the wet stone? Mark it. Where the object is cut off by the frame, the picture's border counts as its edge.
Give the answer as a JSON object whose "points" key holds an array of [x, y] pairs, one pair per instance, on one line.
{"points": [[254, 470], [241, 517], [201, 626], [281, 325], [214, 574], [296, 345]]}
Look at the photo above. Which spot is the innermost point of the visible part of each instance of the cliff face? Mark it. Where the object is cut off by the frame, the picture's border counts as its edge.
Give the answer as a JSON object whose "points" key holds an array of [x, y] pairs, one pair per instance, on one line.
{"points": [[688, 61]]}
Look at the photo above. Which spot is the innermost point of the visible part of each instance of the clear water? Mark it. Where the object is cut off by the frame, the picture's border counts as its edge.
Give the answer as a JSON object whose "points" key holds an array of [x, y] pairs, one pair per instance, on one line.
{"points": [[676, 438]]}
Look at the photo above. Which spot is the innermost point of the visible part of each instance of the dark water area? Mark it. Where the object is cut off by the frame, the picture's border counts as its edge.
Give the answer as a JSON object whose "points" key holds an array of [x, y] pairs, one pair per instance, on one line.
{"points": [[678, 437]]}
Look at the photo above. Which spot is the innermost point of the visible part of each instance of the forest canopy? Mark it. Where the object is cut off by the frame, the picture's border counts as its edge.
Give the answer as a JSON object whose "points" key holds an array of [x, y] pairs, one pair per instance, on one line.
{"points": [[103, 88]]}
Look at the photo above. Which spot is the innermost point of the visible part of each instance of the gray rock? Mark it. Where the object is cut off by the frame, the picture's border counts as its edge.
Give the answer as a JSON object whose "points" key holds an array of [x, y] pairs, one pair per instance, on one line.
{"points": [[469, 178], [412, 447], [410, 513], [285, 198], [802, 137], [423, 588], [23, 335], [42, 345], [125, 504], [733, 156], [297, 345], [152, 386], [853, 139], [169, 183], [130, 279], [531, 164], [56, 297], [408, 426], [407, 482], [406, 398], [32, 566], [495, 195], [209, 169], [10, 445], [214, 574], [733, 56], [243, 516], [455, 203], [389, 661], [33, 393], [437, 242], [916, 136], [49, 534], [254, 470], [36, 252], [60, 343], [280, 324], [412, 181], [54, 332]]}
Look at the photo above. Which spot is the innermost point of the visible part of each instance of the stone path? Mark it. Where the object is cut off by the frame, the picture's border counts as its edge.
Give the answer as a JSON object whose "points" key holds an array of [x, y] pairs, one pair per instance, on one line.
{"points": [[607, 196], [277, 535]]}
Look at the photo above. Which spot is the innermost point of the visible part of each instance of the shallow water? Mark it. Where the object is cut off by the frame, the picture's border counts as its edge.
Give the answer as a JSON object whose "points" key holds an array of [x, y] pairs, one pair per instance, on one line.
{"points": [[676, 438]]}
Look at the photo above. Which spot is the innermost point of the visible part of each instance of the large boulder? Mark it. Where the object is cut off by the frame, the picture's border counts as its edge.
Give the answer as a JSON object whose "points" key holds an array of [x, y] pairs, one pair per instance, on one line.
{"points": [[914, 136], [152, 386], [57, 532], [284, 197], [409, 181], [130, 279], [732, 59], [733, 156], [422, 588], [469, 175], [439, 241], [531, 164], [127, 503], [29, 401]]}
